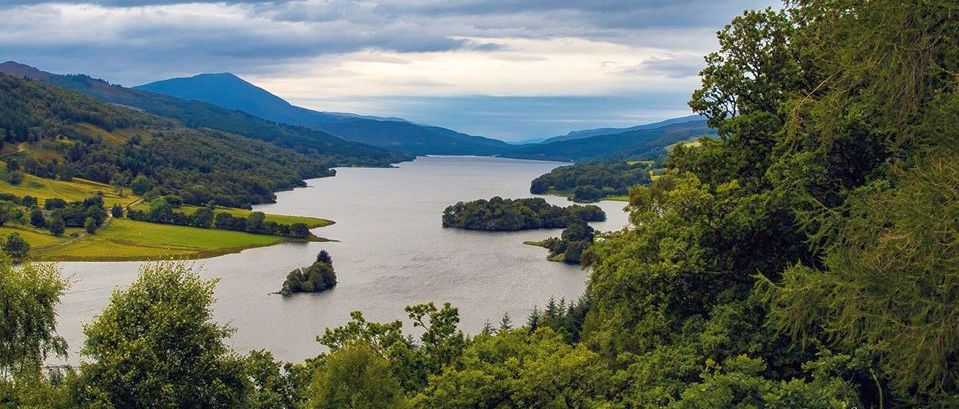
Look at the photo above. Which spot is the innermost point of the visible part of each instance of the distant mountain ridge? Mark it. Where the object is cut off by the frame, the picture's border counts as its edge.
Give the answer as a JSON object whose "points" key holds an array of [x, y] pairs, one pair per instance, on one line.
{"points": [[646, 143], [232, 92], [586, 133], [196, 114]]}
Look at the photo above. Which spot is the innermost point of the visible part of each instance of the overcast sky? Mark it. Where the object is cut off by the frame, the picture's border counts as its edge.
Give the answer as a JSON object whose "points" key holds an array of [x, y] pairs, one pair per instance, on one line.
{"points": [[503, 68]]}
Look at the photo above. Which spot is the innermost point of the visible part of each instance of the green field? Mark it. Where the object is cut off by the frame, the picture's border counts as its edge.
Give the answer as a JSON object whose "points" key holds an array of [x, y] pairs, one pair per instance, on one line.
{"points": [[72, 191], [126, 239]]}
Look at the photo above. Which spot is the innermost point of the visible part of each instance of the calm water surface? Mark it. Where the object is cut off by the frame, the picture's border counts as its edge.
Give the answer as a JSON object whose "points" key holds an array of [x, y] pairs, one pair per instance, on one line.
{"points": [[392, 252]]}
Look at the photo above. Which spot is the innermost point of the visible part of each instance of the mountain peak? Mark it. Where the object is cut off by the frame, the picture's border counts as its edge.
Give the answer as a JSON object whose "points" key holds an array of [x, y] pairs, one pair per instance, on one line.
{"points": [[23, 70]]}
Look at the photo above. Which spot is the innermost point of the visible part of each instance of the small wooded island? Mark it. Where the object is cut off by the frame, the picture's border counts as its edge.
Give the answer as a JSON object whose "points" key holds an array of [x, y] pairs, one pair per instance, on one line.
{"points": [[569, 247], [318, 277], [498, 214]]}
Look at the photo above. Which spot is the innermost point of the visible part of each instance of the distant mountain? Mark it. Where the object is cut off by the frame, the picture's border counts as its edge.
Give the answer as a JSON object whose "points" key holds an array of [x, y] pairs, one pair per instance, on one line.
{"points": [[196, 114], [611, 131], [638, 143], [232, 92]]}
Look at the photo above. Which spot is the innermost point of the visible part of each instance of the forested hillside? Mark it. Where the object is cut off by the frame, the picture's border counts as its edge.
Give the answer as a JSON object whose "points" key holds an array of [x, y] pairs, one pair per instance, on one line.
{"points": [[804, 258], [55, 133], [196, 114]]}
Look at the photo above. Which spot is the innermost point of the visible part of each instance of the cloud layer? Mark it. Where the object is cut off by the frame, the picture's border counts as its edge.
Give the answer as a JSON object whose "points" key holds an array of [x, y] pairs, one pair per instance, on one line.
{"points": [[347, 52]]}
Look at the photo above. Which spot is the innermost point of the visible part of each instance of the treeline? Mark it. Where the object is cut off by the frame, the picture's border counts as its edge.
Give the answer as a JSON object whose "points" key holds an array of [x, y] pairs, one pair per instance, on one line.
{"points": [[498, 214], [592, 181], [200, 165], [56, 214], [161, 211]]}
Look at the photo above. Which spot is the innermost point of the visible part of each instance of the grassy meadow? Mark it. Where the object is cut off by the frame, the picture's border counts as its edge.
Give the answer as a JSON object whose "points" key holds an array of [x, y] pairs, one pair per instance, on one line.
{"points": [[127, 240]]}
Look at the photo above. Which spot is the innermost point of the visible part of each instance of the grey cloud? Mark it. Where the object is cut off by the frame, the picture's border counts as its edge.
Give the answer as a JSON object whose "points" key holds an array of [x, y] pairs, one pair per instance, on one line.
{"points": [[676, 67]]}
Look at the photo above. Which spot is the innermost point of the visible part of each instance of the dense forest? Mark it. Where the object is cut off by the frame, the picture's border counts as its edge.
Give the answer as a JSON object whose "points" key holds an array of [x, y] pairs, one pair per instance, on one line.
{"points": [[55, 133], [498, 214], [592, 181], [804, 258]]}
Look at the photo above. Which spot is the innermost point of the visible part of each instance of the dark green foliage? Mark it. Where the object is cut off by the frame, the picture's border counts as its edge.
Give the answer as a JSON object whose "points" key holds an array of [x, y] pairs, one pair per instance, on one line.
{"points": [[8, 211], [29, 294], [141, 184], [569, 248], [355, 377], [318, 277], [202, 217], [116, 210], [412, 362], [28, 201], [15, 178], [324, 257], [589, 182], [54, 203], [15, 246], [90, 225], [498, 214], [37, 218], [56, 225]]}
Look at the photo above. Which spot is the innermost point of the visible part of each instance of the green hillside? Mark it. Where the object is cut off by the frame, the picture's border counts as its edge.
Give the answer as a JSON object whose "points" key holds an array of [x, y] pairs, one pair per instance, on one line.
{"points": [[55, 133]]}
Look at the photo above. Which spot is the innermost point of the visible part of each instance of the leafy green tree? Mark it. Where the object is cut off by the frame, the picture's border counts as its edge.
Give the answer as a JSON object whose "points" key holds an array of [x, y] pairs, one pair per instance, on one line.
{"points": [[904, 306], [29, 294], [324, 257], [140, 185], [8, 212], [272, 385], [202, 217], [357, 377], [56, 226], [15, 178], [520, 370], [254, 222], [155, 345], [37, 219], [440, 344], [299, 230], [16, 247], [90, 225], [116, 210]]}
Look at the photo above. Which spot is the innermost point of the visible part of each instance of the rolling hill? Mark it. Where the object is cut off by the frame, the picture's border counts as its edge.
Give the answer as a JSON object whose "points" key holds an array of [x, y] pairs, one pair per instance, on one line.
{"points": [[634, 144], [332, 150], [232, 92]]}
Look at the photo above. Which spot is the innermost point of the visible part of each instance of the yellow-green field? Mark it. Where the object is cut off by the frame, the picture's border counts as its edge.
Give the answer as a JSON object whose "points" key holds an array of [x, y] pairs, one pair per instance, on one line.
{"points": [[125, 239], [72, 191]]}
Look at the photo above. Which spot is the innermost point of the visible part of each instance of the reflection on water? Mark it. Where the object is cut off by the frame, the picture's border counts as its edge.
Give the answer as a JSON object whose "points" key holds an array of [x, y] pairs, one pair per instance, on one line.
{"points": [[392, 252]]}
